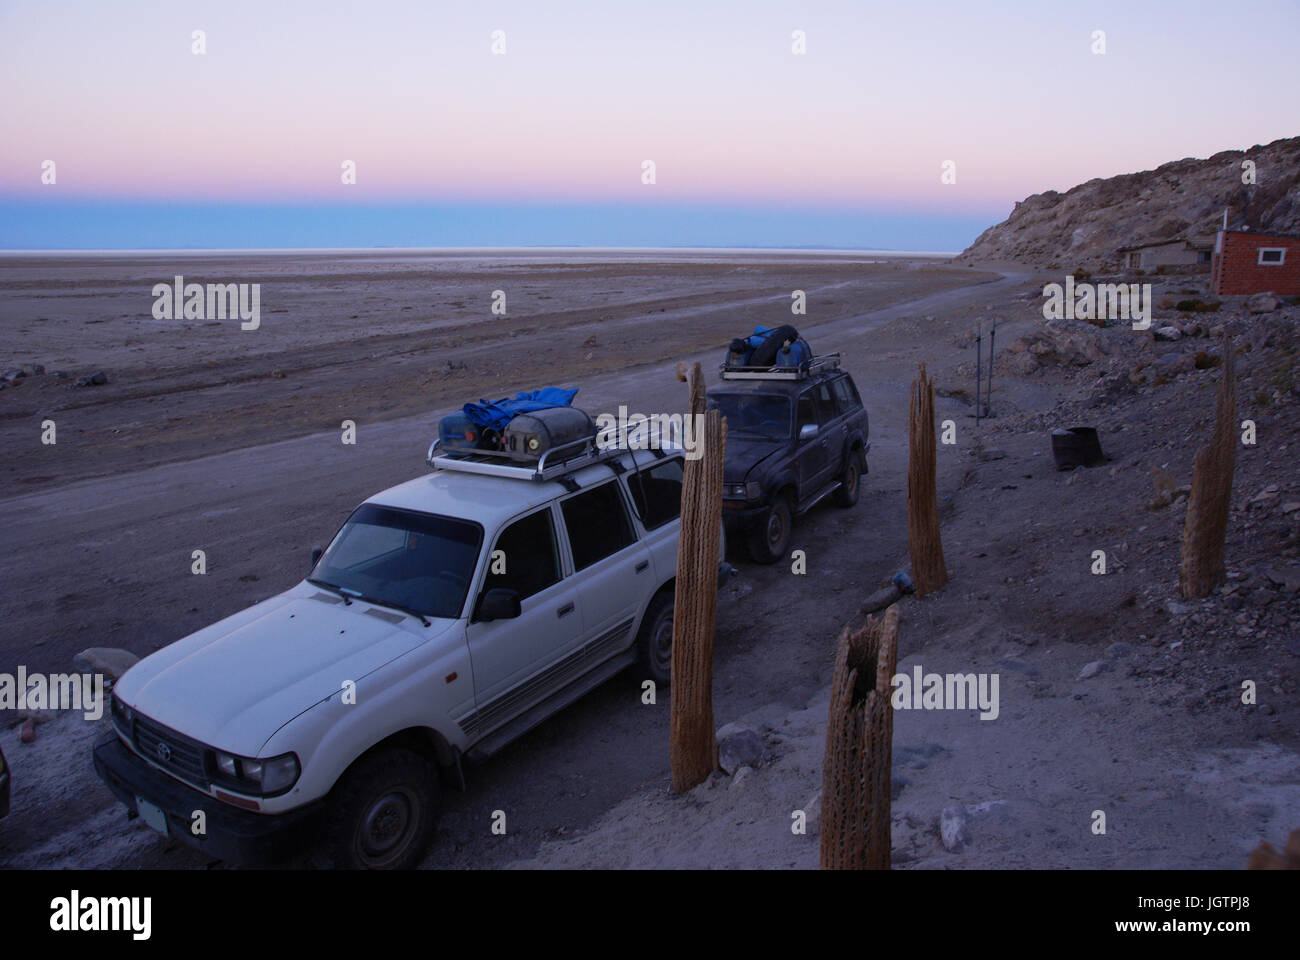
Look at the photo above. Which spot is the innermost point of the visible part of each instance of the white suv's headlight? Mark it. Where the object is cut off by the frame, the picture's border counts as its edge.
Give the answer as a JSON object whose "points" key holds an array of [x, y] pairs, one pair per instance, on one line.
{"points": [[264, 777], [279, 774]]}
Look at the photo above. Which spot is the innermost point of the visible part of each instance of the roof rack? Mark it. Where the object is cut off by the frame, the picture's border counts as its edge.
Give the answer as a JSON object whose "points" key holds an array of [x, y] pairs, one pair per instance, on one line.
{"points": [[554, 463], [823, 364]]}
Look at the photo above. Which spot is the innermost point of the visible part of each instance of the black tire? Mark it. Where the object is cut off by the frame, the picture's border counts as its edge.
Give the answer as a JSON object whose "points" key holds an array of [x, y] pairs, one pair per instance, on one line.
{"points": [[850, 481], [771, 535], [654, 641], [384, 812]]}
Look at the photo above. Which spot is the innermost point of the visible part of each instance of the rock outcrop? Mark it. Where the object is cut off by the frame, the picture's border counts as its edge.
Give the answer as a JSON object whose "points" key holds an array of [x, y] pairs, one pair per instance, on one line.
{"points": [[1083, 227]]}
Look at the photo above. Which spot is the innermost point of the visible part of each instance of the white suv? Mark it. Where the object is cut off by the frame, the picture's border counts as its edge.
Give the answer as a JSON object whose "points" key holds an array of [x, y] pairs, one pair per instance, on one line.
{"points": [[448, 616]]}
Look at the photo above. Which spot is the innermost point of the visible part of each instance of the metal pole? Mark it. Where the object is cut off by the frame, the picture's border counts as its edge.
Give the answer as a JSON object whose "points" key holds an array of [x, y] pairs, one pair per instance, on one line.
{"points": [[979, 359], [993, 335]]}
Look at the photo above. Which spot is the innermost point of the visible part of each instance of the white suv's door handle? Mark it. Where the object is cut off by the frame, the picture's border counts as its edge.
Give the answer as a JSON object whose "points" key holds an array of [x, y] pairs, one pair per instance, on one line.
{"points": [[566, 609], [642, 565]]}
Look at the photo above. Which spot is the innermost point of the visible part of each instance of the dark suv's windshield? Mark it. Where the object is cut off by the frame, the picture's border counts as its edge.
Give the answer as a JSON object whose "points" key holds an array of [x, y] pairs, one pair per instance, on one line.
{"points": [[413, 561], [762, 416]]}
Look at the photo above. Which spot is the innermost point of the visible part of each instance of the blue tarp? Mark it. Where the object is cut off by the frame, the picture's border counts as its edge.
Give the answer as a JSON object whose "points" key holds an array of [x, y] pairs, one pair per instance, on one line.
{"points": [[495, 414]]}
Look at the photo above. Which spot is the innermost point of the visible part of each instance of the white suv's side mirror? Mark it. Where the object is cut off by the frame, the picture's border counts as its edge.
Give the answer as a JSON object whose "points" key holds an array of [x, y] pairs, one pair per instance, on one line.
{"points": [[808, 431]]}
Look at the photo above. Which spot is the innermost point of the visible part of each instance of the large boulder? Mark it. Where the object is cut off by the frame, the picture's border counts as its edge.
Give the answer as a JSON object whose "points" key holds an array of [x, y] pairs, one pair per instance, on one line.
{"points": [[112, 662], [1263, 303], [739, 746]]}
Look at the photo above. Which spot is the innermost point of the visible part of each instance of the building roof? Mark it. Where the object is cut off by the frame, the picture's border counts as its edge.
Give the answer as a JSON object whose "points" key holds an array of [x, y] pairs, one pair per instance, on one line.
{"points": [[1193, 243], [1265, 236]]}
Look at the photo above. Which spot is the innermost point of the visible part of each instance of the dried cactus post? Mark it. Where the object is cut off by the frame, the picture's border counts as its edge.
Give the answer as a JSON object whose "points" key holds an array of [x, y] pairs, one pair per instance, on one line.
{"points": [[693, 748], [1206, 529], [924, 541], [855, 817]]}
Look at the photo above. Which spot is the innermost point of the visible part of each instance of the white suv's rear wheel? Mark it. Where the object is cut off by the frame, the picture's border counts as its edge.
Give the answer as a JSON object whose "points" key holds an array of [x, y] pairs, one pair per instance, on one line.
{"points": [[654, 642]]}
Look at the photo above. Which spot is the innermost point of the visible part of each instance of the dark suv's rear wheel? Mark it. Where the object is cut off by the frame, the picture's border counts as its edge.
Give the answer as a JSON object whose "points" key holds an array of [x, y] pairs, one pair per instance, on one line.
{"points": [[384, 813], [846, 495], [771, 535]]}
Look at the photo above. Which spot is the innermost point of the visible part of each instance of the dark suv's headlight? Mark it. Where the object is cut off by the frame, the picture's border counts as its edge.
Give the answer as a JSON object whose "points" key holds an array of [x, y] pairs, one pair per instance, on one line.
{"points": [[743, 491], [261, 777]]}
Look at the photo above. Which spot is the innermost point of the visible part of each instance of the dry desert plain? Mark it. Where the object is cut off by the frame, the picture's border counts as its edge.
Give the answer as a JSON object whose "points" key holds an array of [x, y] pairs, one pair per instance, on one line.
{"points": [[206, 436]]}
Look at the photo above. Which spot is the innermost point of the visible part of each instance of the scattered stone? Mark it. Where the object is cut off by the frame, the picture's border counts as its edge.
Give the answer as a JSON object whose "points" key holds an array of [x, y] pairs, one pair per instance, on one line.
{"points": [[96, 379], [1119, 649], [1262, 303], [1176, 609], [813, 814], [952, 829], [739, 746], [1090, 670], [990, 454], [110, 661], [742, 774], [29, 731], [1288, 578], [1168, 333], [590, 342], [1291, 507]]}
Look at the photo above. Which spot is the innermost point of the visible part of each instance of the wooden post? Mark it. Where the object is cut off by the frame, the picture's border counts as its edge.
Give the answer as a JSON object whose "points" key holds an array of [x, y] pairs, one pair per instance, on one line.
{"points": [[924, 541], [855, 817], [1206, 527], [693, 748]]}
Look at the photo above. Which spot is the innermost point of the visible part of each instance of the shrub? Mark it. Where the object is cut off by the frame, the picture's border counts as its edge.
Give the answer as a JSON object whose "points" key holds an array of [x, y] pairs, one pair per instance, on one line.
{"points": [[1197, 305]]}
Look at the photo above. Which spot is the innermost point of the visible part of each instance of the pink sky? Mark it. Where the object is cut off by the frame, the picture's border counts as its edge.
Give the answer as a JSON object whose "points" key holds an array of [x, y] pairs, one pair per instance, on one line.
{"points": [[586, 91]]}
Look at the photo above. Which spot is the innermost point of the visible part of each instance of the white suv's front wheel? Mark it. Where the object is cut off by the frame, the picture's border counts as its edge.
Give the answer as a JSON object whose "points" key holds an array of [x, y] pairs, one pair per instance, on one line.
{"points": [[384, 813]]}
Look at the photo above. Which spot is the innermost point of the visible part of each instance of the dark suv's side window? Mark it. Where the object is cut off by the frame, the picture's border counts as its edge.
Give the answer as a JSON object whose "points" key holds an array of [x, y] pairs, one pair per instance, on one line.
{"points": [[807, 411], [598, 524], [825, 403], [846, 395], [657, 492], [525, 558]]}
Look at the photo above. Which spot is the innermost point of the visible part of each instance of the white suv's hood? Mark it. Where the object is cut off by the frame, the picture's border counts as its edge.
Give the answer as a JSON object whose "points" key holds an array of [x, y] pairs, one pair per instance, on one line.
{"points": [[233, 684]]}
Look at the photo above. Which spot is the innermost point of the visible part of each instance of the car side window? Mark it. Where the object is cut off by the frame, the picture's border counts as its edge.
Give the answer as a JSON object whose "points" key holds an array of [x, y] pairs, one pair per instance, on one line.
{"points": [[807, 411], [657, 492], [525, 557], [825, 403], [846, 396], [598, 524]]}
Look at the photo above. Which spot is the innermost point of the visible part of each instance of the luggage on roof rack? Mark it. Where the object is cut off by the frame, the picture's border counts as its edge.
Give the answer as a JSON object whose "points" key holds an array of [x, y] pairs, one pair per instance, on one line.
{"points": [[552, 461], [534, 436], [778, 353]]}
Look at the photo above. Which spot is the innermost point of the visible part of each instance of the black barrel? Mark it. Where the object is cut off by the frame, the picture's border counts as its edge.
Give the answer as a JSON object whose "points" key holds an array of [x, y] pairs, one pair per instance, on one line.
{"points": [[1076, 447]]}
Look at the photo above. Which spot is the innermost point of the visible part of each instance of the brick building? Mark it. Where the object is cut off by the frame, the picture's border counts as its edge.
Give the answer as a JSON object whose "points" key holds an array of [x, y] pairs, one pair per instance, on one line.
{"points": [[1247, 262]]}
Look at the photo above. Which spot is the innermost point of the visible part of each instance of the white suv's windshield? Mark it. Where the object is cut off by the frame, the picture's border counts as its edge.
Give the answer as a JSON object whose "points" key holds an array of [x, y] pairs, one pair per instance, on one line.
{"points": [[415, 562]]}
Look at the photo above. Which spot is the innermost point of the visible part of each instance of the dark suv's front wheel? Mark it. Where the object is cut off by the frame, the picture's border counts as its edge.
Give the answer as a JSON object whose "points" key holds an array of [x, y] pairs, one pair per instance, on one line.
{"points": [[771, 534]]}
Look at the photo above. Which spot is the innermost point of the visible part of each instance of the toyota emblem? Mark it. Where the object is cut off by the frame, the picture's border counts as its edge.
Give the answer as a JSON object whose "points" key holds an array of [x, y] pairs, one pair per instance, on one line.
{"points": [[164, 752]]}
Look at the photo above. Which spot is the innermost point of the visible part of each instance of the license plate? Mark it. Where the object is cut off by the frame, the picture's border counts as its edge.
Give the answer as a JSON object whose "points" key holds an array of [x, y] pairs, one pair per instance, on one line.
{"points": [[152, 815]]}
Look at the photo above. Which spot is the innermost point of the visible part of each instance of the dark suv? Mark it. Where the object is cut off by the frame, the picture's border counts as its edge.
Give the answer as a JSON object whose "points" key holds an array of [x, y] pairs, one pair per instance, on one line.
{"points": [[791, 441]]}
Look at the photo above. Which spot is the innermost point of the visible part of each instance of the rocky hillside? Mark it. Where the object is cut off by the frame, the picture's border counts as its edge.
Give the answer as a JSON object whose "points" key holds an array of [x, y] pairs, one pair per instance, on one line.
{"points": [[1083, 226]]}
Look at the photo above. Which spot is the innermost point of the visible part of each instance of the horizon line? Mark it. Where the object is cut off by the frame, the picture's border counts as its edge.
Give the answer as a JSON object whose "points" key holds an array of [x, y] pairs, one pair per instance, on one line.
{"points": [[472, 248]]}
